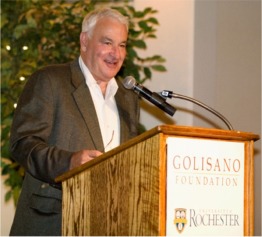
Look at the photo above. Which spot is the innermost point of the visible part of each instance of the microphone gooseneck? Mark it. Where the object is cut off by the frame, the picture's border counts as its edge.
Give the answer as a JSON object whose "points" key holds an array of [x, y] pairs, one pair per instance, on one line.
{"points": [[170, 94]]}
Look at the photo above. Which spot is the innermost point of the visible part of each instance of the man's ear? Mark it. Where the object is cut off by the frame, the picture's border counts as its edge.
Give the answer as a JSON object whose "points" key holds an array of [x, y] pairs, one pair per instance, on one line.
{"points": [[83, 41]]}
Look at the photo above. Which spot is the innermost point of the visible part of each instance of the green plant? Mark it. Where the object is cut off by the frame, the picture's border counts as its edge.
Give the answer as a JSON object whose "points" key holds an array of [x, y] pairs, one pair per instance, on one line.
{"points": [[37, 33]]}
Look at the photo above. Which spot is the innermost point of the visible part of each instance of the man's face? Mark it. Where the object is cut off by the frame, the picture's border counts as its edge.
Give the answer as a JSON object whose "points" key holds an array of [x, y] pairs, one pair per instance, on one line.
{"points": [[105, 51]]}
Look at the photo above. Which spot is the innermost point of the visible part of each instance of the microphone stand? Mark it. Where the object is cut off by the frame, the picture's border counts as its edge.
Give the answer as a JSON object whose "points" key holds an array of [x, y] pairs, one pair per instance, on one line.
{"points": [[170, 94]]}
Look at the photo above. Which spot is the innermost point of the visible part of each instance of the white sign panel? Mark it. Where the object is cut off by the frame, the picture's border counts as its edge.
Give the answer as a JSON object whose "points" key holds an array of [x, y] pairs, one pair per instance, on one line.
{"points": [[205, 187]]}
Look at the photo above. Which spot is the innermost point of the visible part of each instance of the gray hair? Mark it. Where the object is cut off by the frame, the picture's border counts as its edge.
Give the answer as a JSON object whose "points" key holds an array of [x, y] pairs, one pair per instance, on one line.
{"points": [[92, 18]]}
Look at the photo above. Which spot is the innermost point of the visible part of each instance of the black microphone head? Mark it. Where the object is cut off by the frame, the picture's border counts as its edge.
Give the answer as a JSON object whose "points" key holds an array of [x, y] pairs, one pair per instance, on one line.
{"points": [[129, 82]]}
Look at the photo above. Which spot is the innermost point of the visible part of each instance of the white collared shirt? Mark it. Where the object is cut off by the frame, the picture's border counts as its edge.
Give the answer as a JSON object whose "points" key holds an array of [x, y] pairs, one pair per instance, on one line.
{"points": [[106, 108]]}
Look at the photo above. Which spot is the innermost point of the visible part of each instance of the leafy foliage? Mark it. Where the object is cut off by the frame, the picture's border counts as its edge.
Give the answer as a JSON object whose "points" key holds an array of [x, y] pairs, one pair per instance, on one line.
{"points": [[37, 33], [142, 27]]}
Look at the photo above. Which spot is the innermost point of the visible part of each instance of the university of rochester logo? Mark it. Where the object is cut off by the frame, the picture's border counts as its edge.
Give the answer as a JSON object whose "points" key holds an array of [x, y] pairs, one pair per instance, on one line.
{"points": [[180, 219]]}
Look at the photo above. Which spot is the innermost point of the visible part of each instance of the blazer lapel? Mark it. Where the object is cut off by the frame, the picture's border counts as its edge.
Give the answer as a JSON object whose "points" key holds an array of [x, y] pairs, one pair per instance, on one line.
{"points": [[85, 105], [122, 105]]}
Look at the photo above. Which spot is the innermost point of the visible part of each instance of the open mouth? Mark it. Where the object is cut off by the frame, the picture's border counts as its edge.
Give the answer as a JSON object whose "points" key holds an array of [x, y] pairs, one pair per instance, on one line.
{"points": [[111, 63]]}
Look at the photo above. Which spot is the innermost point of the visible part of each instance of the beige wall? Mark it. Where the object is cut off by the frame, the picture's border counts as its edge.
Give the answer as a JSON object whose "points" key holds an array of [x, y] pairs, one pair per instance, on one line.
{"points": [[175, 42], [213, 52], [227, 72], [212, 48]]}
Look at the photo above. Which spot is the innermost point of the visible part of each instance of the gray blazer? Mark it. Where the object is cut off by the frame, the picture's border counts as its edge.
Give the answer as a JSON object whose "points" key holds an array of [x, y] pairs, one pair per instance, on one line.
{"points": [[55, 117]]}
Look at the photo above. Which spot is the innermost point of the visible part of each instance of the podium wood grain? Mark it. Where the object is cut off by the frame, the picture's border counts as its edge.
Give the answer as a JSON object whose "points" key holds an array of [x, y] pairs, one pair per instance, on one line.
{"points": [[119, 196], [123, 192]]}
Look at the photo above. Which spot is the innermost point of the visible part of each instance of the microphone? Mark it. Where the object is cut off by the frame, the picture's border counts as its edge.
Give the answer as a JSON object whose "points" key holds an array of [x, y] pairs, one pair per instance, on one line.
{"points": [[130, 83]]}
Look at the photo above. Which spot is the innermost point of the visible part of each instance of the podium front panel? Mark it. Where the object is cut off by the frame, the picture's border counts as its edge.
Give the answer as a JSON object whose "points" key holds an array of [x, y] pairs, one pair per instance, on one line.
{"points": [[205, 187], [127, 191]]}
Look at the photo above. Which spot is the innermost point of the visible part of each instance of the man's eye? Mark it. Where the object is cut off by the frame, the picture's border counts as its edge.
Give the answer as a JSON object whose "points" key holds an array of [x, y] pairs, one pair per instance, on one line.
{"points": [[108, 43], [123, 45]]}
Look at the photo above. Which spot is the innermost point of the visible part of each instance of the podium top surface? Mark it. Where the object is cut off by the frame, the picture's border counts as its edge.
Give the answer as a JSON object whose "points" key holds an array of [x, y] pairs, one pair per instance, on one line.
{"points": [[168, 130], [205, 133]]}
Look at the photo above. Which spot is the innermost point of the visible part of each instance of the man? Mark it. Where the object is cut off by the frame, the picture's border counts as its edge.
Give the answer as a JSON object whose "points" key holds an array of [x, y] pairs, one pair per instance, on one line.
{"points": [[68, 115]]}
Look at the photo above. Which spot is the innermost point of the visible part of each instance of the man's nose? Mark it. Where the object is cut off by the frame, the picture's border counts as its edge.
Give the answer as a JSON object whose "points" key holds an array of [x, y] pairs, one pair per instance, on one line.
{"points": [[115, 50]]}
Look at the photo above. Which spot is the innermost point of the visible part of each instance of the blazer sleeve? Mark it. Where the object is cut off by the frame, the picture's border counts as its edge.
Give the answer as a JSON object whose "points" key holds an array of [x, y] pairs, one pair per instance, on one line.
{"points": [[31, 128]]}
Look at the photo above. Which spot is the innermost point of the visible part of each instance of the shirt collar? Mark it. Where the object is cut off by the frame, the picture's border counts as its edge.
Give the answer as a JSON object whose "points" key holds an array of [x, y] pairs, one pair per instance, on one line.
{"points": [[91, 82]]}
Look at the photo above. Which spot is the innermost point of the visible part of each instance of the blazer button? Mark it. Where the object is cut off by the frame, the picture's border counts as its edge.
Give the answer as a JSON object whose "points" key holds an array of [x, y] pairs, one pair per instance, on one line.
{"points": [[44, 185]]}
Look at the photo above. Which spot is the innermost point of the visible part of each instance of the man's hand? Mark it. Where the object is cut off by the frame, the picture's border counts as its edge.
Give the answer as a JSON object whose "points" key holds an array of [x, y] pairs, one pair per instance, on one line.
{"points": [[82, 157]]}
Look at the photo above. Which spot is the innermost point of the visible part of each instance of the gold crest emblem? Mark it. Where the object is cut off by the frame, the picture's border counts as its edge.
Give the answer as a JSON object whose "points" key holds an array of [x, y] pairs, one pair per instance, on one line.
{"points": [[180, 219]]}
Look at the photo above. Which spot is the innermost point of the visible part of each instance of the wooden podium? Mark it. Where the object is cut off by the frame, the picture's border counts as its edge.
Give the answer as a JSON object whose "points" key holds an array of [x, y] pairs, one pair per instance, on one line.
{"points": [[124, 191]]}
